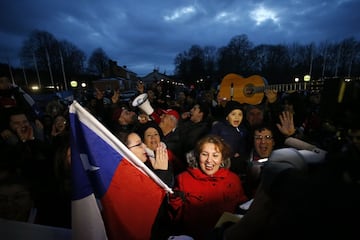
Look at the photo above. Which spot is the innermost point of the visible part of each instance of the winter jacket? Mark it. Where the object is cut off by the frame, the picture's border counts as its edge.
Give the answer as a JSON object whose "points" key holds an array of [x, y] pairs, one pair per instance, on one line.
{"points": [[235, 137], [200, 200]]}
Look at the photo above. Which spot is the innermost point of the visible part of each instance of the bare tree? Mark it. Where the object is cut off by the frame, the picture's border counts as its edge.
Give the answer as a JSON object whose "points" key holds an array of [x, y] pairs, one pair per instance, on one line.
{"points": [[181, 65], [190, 65], [36, 44], [98, 62], [43, 52], [350, 51], [73, 58], [236, 56]]}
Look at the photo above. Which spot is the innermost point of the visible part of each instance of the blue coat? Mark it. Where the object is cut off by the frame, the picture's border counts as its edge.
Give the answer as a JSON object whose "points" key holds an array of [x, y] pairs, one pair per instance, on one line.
{"points": [[237, 138]]}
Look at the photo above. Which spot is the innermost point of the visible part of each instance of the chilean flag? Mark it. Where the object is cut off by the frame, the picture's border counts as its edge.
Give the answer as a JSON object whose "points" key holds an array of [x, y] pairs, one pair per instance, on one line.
{"points": [[115, 196]]}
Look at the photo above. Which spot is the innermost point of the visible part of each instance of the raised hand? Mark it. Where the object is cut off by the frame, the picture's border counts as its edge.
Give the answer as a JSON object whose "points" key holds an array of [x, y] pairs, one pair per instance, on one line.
{"points": [[140, 87], [286, 125], [25, 132], [161, 160], [143, 118], [99, 94], [115, 96], [271, 95]]}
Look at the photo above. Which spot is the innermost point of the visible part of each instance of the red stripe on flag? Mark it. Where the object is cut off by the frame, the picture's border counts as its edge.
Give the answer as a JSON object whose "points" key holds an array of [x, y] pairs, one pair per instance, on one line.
{"points": [[131, 203]]}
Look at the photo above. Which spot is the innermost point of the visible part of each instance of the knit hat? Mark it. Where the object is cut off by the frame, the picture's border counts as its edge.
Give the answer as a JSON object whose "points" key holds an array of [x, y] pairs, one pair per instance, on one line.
{"points": [[232, 105]]}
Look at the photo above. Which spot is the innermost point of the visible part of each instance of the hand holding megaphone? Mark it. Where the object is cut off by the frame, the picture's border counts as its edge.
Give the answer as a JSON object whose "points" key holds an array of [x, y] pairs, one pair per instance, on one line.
{"points": [[143, 103]]}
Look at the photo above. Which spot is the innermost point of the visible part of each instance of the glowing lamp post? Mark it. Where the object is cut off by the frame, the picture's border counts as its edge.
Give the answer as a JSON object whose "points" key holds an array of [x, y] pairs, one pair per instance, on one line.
{"points": [[74, 84], [307, 78]]}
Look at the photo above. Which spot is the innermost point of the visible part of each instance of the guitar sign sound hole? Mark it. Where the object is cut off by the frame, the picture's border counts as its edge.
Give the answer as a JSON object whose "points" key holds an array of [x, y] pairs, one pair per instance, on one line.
{"points": [[249, 90]]}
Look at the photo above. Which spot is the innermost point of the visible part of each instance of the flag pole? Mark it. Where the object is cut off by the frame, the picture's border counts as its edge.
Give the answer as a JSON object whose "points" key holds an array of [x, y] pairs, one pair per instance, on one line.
{"points": [[63, 70], [26, 82], [11, 73], [37, 70], [49, 65], [324, 62]]}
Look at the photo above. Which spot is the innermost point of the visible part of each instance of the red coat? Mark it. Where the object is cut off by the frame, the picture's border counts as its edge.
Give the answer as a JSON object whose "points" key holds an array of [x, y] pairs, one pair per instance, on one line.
{"points": [[205, 198]]}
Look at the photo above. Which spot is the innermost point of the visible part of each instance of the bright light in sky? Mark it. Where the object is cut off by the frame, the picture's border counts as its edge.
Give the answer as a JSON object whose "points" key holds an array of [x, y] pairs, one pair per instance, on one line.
{"points": [[185, 11], [225, 17], [262, 14]]}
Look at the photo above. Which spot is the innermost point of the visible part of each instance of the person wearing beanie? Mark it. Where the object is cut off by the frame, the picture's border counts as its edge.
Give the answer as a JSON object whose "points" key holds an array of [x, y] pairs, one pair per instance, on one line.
{"points": [[232, 130], [233, 105]]}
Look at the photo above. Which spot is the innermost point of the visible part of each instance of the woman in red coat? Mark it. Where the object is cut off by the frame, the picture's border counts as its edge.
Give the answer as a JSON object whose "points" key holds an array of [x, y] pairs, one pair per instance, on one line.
{"points": [[206, 190]]}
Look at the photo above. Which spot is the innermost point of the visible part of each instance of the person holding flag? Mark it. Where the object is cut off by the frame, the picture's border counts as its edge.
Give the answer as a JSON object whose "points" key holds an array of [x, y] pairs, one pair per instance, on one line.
{"points": [[115, 195], [158, 162]]}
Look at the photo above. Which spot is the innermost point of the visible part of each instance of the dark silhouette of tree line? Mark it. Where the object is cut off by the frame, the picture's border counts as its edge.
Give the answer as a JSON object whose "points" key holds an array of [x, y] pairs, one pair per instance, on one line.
{"points": [[45, 58], [276, 63]]}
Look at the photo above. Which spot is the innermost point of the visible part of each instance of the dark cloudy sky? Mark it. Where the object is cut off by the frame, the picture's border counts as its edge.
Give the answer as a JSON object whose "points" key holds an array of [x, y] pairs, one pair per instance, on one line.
{"points": [[144, 34]]}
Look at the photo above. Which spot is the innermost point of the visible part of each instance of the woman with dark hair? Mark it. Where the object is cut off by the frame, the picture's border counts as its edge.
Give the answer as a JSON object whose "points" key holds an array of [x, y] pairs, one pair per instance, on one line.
{"points": [[151, 134], [152, 137], [157, 160], [160, 165], [206, 189]]}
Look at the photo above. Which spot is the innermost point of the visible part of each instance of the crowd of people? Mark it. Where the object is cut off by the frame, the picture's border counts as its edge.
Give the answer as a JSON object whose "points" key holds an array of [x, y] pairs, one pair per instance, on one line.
{"points": [[214, 154], [35, 173]]}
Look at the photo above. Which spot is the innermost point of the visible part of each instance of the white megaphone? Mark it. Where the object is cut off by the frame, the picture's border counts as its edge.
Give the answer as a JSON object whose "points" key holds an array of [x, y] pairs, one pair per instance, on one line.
{"points": [[143, 103]]}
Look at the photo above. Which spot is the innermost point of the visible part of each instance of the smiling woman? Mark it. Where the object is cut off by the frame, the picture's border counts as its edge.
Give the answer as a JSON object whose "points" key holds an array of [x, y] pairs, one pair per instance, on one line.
{"points": [[206, 190], [160, 165]]}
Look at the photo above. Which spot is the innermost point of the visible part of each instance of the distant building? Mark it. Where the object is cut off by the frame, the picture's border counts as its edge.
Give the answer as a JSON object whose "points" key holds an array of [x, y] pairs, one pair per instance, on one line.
{"points": [[105, 84], [117, 77], [170, 84], [160, 78], [157, 78]]}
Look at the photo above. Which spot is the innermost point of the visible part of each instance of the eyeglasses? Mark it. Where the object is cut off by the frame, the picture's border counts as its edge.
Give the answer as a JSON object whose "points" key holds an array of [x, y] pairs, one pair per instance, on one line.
{"points": [[266, 138], [137, 145]]}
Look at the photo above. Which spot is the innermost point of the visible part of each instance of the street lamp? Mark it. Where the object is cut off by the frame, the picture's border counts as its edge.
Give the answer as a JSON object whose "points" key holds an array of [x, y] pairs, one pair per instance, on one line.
{"points": [[35, 88], [307, 78], [74, 84]]}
